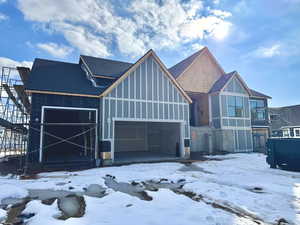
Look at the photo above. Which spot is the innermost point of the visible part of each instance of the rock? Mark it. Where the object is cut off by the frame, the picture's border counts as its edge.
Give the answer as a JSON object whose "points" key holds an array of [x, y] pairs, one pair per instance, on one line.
{"points": [[71, 206], [129, 205], [95, 190]]}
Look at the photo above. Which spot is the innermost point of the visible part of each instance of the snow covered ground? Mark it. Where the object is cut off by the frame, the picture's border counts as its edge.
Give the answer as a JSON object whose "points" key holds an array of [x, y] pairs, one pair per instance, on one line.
{"points": [[231, 189]]}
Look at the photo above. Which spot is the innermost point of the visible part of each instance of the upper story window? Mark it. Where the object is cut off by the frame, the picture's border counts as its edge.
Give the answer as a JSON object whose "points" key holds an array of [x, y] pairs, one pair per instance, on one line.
{"points": [[274, 117], [235, 106], [258, 110]]}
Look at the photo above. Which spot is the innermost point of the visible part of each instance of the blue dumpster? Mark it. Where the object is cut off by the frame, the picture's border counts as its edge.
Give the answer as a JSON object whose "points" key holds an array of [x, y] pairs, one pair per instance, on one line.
{"points": [[284, 153]]}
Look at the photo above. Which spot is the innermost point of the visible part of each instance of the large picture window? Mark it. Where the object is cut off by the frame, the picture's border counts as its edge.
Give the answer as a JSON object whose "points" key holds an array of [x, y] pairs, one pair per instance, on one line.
{"points": [[235, 106], [258, 110]]}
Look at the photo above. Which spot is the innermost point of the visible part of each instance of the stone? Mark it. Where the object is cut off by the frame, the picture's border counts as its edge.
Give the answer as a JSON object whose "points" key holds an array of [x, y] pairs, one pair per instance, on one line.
{"points": [[95, 190], [71, 206]]}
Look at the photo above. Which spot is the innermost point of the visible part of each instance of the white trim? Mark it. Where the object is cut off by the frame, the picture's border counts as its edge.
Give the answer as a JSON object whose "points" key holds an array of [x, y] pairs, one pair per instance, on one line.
{"points": [[143, 100], [257, 126], [210, 110], [286, 127], [152, 94], [135, 88], [103, 102], [41, 136], [233, 94], [112, 142], [235, 128], [147, 120], [108, 119], [221, 110], [65, 108]]}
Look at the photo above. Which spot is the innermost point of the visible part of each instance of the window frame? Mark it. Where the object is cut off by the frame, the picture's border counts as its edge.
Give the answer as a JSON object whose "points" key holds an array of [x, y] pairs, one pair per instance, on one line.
{"points": [[234, 109], [257, 110]]}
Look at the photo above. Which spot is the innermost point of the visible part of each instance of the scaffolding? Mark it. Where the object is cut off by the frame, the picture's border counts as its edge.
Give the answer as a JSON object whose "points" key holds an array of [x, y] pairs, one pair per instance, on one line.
{"points": [[14, 112]]}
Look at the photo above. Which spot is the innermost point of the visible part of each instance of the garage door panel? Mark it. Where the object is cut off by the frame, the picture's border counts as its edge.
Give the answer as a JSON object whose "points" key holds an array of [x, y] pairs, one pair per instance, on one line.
{"points": [[155, 137]]}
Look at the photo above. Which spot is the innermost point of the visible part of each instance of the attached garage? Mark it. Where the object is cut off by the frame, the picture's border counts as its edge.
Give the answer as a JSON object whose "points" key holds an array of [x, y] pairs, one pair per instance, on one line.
{"points": [[142, 141], [145, 115]]}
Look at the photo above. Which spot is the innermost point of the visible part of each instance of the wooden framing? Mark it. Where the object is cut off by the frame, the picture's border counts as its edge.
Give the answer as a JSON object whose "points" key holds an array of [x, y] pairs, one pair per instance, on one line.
{"points": [[106, 77], [61, 93]]}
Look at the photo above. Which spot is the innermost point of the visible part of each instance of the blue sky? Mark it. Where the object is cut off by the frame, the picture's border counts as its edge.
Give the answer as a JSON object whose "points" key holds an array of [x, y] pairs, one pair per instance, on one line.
{"points": [[258, 38]]}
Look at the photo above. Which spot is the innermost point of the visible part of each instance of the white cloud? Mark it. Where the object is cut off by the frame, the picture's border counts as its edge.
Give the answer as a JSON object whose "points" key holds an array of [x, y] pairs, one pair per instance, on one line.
{"points": [[12, 63], [221, 13], [59, 51], [197, 46], [3, 17], [95, 26], [267, 52]]}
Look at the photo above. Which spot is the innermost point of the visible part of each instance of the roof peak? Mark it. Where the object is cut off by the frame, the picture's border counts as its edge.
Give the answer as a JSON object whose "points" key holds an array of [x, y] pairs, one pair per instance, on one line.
{"points": [[112, 60]]}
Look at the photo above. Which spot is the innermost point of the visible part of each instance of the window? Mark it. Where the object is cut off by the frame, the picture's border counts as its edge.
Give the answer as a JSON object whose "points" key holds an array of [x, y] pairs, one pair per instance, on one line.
{"points": [[235, 106], [274, 117], [258, 110], [286, 133], [297, 132]]}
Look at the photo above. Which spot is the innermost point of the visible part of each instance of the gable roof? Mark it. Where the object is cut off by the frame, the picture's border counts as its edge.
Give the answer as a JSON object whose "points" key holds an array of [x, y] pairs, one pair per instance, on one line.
{"points": [[219, 84], [258, 94], [138, 62], [55, 77], [183, 65], [105, 67], [61, 77], [224, 79]]}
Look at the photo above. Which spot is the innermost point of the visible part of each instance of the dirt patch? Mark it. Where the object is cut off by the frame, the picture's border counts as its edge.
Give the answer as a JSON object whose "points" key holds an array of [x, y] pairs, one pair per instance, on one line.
{"points": [[14, 213]]}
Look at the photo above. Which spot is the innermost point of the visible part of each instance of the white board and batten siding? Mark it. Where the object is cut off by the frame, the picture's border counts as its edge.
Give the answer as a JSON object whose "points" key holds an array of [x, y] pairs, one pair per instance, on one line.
{"points": [[147, 94], [240, 127]]}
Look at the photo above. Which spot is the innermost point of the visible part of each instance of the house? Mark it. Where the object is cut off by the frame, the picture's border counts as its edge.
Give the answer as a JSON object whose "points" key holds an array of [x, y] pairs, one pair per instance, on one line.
{"points": [[101, 110], [259, 120], [285, 121], [221, 119]]}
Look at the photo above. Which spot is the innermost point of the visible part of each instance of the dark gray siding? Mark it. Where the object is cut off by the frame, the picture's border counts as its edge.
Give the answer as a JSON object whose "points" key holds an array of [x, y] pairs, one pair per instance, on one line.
{"points": [[39, 100], [261, 122]]}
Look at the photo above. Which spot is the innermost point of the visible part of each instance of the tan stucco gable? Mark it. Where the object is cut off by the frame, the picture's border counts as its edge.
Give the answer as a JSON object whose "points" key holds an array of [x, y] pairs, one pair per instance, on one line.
{"points": [[201, 74]]}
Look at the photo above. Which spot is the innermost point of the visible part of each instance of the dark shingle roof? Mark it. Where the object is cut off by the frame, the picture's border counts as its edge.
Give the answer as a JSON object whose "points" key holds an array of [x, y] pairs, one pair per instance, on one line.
{"points": [[55, 76], [106, 67], [219, 84], [177, 69], [258, 94]]}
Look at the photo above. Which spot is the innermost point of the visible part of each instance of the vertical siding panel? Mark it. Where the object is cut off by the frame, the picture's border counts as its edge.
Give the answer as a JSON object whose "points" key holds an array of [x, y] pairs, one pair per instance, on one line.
{"points": [[149, 79], [106, 105], [155, 80], [125, 86]]}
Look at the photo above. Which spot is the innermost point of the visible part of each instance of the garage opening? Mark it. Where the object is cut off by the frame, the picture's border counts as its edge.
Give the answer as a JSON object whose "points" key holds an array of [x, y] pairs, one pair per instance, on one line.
{"points": [[146, 141], [68, 135]]}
